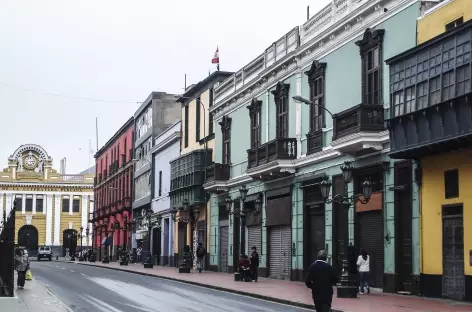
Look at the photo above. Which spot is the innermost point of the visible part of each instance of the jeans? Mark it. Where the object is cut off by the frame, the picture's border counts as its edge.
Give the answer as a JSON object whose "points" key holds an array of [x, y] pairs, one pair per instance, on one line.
{"points": [[364, 280], [200, 264], [21, 278], [254, 273], [322, 306]]}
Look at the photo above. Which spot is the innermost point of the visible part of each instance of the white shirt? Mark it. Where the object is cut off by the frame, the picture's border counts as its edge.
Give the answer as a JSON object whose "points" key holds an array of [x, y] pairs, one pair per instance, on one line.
{"points": [[363, 264]]}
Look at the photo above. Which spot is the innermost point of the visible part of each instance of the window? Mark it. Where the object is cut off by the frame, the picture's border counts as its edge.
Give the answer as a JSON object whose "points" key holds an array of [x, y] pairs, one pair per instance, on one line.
{"points": [[197, 118], [398, 99], [463, 79], [422, 95], [18, 202], [434, 91], [451, 183], [410, 100], [448, 85], [65, 204], [76, 204], [160, 184], [454, 24], [255, 116], [39, 203], [281, 102], [226, 132], [210, 119], [371, 55], [125, 150], [29, 203], [186, 126], [316, 76]]}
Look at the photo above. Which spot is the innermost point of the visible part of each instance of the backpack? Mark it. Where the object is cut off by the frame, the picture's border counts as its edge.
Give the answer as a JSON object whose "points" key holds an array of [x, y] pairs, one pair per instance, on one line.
{"points": [[201, 252]]}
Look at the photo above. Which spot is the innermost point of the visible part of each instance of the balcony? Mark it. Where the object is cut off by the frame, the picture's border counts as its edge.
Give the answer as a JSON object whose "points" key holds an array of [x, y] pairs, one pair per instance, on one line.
{"points": [[359, 130], [273, 159], [216, 176]]}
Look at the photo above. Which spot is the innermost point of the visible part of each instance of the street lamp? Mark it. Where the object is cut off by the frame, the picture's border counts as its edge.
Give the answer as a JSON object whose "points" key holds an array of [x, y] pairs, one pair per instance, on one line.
{"points": [[81, 257], [116, 227], [105, 257], [147, 214], [186, 217], [347, 289], [299, 99]]}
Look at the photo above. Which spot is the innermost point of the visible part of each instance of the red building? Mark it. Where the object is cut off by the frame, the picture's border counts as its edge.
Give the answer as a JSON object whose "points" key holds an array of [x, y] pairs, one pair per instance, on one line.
{"points": [[113, 193]]}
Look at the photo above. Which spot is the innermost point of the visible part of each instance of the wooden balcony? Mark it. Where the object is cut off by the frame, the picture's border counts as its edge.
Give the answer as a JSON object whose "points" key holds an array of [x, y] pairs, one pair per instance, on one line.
{"points": [[269, 160], [216, 176], [359, 129]]}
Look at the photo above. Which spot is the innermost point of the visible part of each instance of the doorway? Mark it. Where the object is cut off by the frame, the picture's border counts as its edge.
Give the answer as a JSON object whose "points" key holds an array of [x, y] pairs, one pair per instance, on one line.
{"points": [[28, 238], [453, 252], [69, 241], [156, 244], [340, 226]]}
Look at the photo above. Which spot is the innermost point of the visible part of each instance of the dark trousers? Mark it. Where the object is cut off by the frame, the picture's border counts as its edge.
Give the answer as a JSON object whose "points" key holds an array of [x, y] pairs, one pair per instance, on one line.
{"points": [[254, 272], [21, 278], [322, 306]]}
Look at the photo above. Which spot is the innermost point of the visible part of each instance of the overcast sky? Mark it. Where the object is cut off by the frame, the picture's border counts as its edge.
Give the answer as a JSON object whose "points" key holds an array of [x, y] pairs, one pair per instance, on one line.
{"points": [[117, 51]]}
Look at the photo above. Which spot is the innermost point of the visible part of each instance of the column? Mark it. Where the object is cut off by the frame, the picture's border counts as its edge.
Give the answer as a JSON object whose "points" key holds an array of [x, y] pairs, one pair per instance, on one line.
{"points": [[266, 122], [1, 205], [71, 200], [84, 217], [298, 118], [57, 219], [9, 203], [34, 204], [23, 204], [49, 212]]}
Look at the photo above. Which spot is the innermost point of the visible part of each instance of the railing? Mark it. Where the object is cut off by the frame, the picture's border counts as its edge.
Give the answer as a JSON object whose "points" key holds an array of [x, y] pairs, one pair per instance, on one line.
{"points": [[280, 148], [7, 252], [217, 172], [72, 177], [362, 117]]}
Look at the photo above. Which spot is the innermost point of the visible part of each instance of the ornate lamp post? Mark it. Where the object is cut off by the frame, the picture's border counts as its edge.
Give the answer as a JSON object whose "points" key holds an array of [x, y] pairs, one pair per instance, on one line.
{"points": [[81, 257], [116, 228], [145, 220], [243, 212], [105, 256], [347, 289]]}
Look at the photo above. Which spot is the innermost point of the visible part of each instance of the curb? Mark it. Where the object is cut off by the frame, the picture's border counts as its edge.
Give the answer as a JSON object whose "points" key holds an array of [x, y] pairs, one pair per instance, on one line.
{"points": [[239, 292]]}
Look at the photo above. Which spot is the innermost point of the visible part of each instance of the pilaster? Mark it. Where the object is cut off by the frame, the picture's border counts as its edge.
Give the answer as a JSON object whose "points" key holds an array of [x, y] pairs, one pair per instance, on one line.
{"points": [[71, 200], [84, 216], [9, 203], [298, 116], [23, 204], [2, 204], [57, 219], [49, 212], [34, 204]]}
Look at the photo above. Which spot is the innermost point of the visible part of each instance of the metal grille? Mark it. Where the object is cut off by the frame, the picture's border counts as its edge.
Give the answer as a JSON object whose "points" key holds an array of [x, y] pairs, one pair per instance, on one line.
{"points": [[453, 257], [7, 258], [280, 253], [372, 240], [224, 233], [254, 238]]}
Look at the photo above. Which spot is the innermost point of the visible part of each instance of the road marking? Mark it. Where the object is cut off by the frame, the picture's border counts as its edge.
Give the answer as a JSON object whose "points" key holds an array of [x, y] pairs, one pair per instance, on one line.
{"points": [[72, 271]]}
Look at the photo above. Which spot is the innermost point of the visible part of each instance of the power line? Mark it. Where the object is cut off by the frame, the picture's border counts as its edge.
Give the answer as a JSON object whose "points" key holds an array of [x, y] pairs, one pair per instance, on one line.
{"points": [[65, 96]]}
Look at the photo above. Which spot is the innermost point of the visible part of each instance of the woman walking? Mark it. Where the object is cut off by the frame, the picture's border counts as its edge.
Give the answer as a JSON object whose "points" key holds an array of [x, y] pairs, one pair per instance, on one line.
{"points": [[22, 264], [364, 268]]}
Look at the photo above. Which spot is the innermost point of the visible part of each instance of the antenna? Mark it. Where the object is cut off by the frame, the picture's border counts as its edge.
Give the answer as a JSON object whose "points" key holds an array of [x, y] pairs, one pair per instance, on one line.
{"points": [[185, 82], [96, 131], [307, 12]]}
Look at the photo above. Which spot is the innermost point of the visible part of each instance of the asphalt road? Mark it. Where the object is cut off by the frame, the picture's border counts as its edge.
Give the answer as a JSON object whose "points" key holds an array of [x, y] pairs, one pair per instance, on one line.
{"points": [[91, 289]]}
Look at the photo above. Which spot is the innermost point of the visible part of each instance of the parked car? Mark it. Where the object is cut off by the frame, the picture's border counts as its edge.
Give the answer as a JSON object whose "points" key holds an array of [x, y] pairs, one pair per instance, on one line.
{"points": [[45, 252]]}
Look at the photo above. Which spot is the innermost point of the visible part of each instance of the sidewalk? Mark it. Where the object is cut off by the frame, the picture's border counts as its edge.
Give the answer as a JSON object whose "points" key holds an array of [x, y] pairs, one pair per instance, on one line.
{"points": [[35, 297], [295, 293]]}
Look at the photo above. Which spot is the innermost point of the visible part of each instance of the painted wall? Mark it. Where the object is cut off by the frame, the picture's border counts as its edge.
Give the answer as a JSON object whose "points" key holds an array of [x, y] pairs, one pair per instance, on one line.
{"points": [[434, 23], [432, 199]]}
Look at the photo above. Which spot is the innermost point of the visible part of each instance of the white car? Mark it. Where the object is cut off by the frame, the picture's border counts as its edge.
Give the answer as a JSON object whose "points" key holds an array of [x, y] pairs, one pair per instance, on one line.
{"points": [[45, 252]]}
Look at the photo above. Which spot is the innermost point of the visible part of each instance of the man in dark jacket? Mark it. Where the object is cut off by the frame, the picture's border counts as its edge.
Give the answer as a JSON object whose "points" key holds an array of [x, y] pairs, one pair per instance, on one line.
{"points": [[320, 278]]}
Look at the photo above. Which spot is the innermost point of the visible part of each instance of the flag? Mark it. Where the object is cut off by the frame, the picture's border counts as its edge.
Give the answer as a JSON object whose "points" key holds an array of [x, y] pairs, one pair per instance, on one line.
{"points": [[216, 57]]}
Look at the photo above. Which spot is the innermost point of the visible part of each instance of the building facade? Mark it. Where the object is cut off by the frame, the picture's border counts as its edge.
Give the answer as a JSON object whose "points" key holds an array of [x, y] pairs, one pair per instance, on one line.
{"points": [[431, 126], [290, 147], [113, 193], [158, 112], [166, 147], [51, 208], [188, 170]]}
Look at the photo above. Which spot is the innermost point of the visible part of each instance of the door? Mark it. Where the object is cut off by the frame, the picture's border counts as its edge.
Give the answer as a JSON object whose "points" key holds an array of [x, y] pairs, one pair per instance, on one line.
{"points": [[224, 234], [403, 225], [254, 238], [341, 226], [182, 240], [236, 238], [453, 253], [371, 239], [28, 238], [156, 245], [316, 232], [280, 253]]}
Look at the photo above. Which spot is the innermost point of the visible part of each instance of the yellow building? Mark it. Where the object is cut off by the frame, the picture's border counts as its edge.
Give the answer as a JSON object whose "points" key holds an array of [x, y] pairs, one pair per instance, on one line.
{"points": [[431, 124], [188, 171], [50, 207]]}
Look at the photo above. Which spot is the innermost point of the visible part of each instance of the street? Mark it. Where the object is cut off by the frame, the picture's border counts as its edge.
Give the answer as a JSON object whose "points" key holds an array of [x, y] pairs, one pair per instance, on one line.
{"points": [[91, 289]]}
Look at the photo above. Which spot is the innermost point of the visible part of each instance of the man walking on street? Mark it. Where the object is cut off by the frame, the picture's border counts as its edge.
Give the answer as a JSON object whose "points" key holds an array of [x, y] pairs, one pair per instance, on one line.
{"points": [[201, 252], [320, 278]]}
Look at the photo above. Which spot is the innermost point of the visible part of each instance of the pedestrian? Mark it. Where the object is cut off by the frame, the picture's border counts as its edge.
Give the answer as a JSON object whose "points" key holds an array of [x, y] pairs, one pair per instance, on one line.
{"points": [[363, 263], [254, 263], [320, 278], [22, 265], [201, 253], [138, 253]]}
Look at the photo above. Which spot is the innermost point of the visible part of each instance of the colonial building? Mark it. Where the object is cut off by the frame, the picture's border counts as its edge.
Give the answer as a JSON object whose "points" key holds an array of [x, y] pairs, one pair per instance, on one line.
{"points": [[281, 149], [188, 171], [158, 112], [113, 193], [51, 208], [431, 126], [166, 147]]}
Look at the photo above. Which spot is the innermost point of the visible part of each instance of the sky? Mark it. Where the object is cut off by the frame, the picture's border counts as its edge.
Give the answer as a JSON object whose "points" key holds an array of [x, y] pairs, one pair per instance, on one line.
{"points": [[65, 63]]}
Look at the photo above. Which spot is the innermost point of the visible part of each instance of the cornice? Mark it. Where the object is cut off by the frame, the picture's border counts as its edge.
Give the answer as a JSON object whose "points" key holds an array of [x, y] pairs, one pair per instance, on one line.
{"points": [[45, 185], [166, 142]]}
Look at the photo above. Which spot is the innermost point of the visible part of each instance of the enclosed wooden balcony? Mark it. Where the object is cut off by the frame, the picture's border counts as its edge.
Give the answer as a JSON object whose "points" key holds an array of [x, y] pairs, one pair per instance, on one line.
{"points": [[216, 176], [359, 129], [272, 159]]}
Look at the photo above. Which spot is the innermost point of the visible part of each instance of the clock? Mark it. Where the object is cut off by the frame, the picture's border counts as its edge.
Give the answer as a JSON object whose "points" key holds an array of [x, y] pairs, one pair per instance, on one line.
{"points": [[30, 161]]}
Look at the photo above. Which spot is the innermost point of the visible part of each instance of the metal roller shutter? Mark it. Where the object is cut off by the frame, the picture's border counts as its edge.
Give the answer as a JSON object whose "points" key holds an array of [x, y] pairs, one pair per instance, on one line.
{"points": [[371, 239], [280, 253], [254, 234], [224, 248]]}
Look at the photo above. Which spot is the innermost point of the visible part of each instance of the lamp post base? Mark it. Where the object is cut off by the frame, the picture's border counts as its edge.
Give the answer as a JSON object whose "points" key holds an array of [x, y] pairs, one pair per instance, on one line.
{"points": [[184, 269], [105, 260], [148, 265], [237, 277], [346, 291]]}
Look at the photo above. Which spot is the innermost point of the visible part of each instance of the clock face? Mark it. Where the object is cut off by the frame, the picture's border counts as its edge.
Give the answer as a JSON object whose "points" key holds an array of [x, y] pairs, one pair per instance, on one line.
{"points": [[30, 161]]}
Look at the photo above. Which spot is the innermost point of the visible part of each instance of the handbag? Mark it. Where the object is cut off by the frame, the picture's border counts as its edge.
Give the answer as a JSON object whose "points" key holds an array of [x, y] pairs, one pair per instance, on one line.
{"points": [[29, 275]]}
